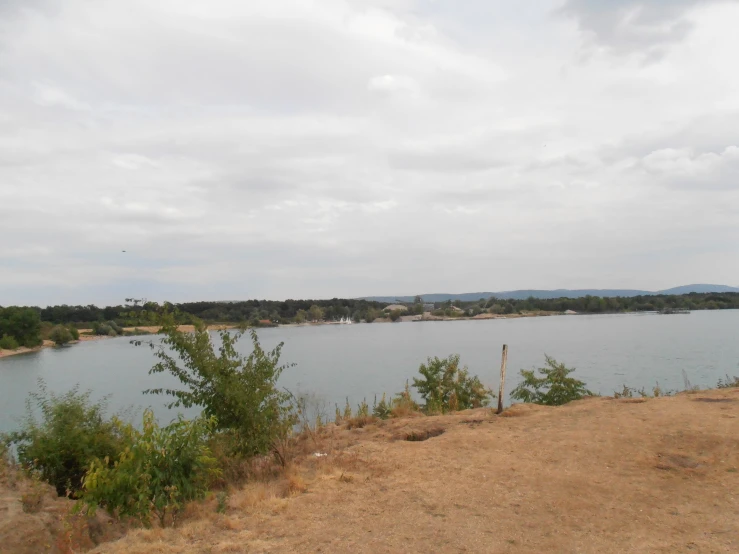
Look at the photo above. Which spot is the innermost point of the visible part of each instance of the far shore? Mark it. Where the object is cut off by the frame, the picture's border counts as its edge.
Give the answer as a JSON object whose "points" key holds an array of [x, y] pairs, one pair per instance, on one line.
{"points": [[153, 329]]}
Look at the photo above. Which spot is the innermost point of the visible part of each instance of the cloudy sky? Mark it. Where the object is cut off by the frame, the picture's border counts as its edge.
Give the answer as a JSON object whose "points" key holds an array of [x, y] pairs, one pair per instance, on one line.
{"points": [[296, 148]]}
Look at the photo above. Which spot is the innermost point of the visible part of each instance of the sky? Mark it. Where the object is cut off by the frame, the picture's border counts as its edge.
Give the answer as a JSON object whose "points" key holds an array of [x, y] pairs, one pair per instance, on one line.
{"points": [[342, 148]]}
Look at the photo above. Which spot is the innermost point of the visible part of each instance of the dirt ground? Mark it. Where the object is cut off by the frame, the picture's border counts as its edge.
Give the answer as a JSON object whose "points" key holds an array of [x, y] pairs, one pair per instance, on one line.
{"points": [[598, 475]]}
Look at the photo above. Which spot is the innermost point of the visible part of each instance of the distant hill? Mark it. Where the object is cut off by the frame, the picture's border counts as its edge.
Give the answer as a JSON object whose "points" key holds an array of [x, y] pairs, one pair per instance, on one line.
{"points": [[557, 293]]}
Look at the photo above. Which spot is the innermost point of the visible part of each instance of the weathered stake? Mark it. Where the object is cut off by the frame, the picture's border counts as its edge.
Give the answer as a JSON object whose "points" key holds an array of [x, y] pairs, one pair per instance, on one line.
{"points": [[503, 363]]}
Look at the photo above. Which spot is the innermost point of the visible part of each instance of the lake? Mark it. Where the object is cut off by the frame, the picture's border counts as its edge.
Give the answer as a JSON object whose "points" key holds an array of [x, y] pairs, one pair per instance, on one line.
{"points": [[361, 361]]}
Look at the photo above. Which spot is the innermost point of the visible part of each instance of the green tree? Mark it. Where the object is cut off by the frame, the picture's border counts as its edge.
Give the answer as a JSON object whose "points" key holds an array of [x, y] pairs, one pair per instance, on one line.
{"points": [[445, 386], [72, 432], [160, 470], [8, 342], [239, 391], [301, 316], [60, 335], [23, 324], [554, 388], [395, 315], [315, 313]]}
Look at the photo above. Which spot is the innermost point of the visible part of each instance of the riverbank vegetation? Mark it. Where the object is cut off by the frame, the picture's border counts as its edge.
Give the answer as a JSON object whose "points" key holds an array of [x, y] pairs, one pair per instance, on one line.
{"points": [[145, 475], [23, 323]]}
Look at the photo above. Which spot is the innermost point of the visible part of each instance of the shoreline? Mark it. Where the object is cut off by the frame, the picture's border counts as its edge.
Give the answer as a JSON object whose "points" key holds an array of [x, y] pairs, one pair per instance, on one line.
{"points": [[152, 329]]}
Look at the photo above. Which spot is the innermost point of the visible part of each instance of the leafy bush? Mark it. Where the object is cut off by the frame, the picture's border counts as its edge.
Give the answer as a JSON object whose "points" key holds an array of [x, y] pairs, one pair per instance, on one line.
{"points": [[74, 332], [23, 324], [160, 470], [554, 388], [108, 329], [60, 335], [8, 342], [446, 387], [403, 403], [395, 315], [383, 410], [239, 391], [72, 432]]}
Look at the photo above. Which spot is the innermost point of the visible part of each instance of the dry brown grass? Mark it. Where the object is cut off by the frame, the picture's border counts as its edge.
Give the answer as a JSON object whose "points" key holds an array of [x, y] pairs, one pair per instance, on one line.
{"points": [[598, 475]]}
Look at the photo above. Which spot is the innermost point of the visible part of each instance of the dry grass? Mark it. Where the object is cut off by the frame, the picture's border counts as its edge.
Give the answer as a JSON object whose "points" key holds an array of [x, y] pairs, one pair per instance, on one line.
{"points": [[598, 475]]}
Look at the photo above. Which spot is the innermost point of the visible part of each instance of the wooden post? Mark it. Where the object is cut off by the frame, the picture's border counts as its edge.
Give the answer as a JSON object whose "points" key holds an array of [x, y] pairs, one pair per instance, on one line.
{"points": [[503, 363]]}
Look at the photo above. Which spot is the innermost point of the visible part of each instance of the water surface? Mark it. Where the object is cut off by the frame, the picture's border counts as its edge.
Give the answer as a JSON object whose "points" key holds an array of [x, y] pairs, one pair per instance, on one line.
{"points": [[359, 361]]}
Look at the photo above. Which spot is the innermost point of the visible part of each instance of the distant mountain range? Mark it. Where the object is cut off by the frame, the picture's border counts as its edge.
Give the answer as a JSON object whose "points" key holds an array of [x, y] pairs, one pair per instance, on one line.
{"points": [[558, 293]]}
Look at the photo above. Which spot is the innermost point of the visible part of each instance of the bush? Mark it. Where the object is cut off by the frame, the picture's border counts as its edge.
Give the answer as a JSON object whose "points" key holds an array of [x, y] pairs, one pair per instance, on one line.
{"points": [[60, 335], [239, 391], [383, 410], [8, 343], [108, 329], [728, 383], [447, 388], [160, 470], [74, 332], [72, 432], [403, 403], [23, 324], [554, 388], [395, 315]]}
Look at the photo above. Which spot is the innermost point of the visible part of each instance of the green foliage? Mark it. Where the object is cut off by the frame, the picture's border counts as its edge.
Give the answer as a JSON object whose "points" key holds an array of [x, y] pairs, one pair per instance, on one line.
{"points": [[71, 433], [239, 391], [363, 409], [60, 335], [74, 332], [446, 387], [8, 342], [403, 403], [23, 324], [160, 469], [315, 313], [728, 383], [347, 410], [383, 410], [108, 329], [395, 315], [554, 388], [143, 313]]}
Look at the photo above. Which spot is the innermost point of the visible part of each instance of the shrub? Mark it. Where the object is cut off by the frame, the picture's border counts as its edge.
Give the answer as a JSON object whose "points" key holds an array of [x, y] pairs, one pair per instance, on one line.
{"points": [[395, 315], [8, 342], [160, 470], [728, 383], [239, 391], [72, 432], [74, 332], [403, 403], [60, 335], [554, 388], [445, 387], [23, 324], [107, 329], [383, 409]]}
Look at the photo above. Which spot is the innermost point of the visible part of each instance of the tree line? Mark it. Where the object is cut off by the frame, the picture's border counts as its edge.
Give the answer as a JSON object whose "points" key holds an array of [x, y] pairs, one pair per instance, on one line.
{"points": [[25, 326], [595, 304]]}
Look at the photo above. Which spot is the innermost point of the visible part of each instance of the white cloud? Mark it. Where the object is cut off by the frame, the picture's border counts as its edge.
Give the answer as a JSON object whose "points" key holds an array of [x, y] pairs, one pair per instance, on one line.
{"points": [[341, 147]]}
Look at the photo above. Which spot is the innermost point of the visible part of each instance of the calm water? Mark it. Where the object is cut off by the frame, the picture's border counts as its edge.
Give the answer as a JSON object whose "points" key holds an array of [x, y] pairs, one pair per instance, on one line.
{"points": [[359, 361]]}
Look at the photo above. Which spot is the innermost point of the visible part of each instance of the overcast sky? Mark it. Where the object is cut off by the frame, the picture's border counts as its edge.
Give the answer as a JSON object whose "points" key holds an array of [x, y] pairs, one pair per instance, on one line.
{"points": [[293, 148]]}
